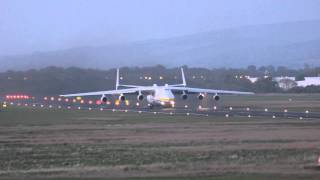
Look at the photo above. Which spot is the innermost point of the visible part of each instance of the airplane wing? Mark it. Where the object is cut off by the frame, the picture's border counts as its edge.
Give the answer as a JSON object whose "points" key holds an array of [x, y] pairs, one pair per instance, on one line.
{"points": [[209, 91], [112, 92]]}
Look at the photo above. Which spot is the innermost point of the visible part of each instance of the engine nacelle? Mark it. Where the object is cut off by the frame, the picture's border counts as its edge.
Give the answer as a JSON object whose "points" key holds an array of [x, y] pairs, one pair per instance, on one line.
{"points": [[122, 97], [140, 97], [216, 97], [184, 96], [103, 99], [200, 96]]}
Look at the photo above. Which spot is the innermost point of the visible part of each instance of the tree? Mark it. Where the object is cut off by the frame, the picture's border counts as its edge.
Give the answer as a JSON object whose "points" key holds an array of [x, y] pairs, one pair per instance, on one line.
{"points": [[271, 69], [265, 85], [300, 77], [252, 70]]}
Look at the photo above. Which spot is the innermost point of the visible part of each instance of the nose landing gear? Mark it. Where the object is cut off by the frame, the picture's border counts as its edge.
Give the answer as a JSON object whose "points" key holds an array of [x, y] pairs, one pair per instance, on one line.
{"points": [[151, 106]]}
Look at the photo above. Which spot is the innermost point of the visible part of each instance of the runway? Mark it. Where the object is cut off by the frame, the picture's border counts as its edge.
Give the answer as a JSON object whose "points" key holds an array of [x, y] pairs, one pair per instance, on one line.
{"points": [[214, 111], [226, 113]]}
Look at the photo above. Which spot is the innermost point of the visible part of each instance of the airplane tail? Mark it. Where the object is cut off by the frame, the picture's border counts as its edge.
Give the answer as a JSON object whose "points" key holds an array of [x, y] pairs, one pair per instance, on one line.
{"points": [[184, 83], [117, 81], [122, 85]]}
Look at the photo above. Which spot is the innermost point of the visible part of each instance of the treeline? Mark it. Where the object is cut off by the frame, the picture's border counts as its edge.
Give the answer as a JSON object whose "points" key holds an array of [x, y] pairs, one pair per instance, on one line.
{"points": [[56, 80]]}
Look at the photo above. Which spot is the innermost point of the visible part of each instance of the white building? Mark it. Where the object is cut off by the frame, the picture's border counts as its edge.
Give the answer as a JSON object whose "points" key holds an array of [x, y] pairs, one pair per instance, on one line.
{"points": [[287, 82], [278, 79], [308, 81], [252, 79]]}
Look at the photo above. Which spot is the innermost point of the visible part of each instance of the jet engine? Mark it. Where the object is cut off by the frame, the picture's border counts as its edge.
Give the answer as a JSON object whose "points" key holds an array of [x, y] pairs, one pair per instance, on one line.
{"points": [[200, 96], [140, 97], [103, 99], [216, 97], [184, 96], [122, 97]]}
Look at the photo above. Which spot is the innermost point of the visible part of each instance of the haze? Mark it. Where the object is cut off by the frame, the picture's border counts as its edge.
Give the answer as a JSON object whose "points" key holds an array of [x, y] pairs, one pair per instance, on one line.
{"points": [[37, 25]]}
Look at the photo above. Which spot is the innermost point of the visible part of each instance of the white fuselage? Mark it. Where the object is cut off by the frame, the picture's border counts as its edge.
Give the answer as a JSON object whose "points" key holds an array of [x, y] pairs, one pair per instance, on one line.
{"points": [[161, 97]]}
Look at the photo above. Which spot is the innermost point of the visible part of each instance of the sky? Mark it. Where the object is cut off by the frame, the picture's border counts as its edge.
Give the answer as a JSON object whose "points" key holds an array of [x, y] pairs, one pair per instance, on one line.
{"points": [[28, 26]]}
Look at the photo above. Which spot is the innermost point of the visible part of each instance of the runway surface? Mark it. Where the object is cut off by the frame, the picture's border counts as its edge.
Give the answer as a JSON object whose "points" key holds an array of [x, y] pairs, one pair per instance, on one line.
{"points": [[226, 113], [221, 112]]}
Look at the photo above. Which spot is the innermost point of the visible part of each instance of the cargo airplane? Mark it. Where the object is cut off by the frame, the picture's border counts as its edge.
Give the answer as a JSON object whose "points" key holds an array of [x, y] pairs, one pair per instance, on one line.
{"points": [[162, 96]]}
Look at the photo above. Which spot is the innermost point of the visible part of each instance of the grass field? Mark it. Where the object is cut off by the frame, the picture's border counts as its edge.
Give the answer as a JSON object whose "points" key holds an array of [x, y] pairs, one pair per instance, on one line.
{"points": [[78, 144]]}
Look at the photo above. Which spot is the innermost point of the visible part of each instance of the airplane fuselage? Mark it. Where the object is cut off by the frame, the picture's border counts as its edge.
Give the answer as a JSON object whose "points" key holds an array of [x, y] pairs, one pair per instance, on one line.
{"points": [[161, 97]]}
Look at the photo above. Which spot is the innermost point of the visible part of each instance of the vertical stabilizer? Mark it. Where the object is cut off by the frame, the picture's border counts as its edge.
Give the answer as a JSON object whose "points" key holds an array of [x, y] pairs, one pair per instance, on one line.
{"points": [[183, 78], [117, 81]]}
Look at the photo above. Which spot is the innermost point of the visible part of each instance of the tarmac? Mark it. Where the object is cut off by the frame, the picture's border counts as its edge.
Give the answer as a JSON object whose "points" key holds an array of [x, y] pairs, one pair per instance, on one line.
{"points": [[220, 111]]}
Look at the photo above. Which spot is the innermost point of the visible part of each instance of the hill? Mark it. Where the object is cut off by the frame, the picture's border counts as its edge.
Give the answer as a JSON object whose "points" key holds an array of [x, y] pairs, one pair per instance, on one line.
{"points": [[292, 44]]}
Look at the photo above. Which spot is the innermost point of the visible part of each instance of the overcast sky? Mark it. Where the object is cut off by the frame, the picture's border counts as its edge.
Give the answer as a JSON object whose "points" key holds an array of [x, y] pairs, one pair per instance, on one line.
{"points": [[40, 25]]}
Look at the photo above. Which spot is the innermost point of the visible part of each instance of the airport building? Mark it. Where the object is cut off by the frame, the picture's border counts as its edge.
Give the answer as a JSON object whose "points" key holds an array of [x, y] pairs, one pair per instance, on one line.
{"points": [[286, 83]]}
